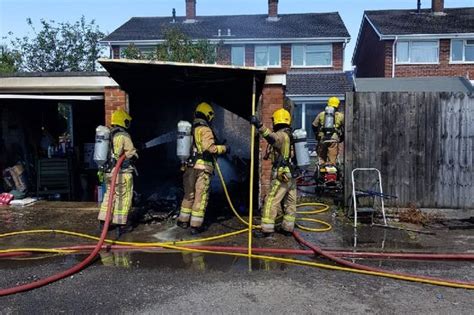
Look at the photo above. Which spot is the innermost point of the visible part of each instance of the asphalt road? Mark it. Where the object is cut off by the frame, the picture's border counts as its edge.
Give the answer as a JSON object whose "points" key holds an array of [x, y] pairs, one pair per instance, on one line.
{"points": [[177, 284]]}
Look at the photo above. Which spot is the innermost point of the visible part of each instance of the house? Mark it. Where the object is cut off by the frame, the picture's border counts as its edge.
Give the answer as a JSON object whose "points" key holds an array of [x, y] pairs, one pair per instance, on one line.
{"points": [[301, 52], [416, 43]]}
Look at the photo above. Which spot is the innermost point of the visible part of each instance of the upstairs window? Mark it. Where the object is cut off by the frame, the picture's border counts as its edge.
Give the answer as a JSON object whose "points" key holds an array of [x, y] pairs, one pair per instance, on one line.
{"points": [[417, 52], [268, 56], [462, 50], [238, 56], [311, 55]]}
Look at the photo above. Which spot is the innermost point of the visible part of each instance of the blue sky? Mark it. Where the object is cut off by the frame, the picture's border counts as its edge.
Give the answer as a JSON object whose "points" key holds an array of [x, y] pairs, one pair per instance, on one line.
{"points": [[110, 14]]}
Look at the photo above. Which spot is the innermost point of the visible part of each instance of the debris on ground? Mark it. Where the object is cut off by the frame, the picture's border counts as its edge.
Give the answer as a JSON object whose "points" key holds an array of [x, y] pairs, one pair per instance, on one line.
{"points": [[416, 216]]}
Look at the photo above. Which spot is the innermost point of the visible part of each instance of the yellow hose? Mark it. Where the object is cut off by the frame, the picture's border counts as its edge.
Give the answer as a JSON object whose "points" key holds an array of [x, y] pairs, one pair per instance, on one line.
{"points": [[137, 244], [280, 260]]}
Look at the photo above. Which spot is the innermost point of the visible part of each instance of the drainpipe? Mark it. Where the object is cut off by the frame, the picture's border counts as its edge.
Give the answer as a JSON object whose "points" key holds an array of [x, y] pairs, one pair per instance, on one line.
{"points": [[393, 56], [344, 53]]}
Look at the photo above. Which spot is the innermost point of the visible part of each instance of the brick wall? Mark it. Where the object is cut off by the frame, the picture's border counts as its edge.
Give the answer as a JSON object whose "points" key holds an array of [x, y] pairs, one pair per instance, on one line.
{"points": [[370, 59], [444, 68], [249, 55], [224, 55], [272, 100], [115, 52], [286, 56], [114, 98]]}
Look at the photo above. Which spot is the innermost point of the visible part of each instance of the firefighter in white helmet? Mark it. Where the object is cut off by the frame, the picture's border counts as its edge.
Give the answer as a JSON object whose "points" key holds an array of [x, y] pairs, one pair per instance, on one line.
{"points": [[198, 171], [120, 143], [328, 129]]}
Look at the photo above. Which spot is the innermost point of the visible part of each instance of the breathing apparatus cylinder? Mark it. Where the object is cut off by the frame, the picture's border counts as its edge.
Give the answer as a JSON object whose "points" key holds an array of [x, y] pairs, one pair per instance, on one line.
{"points": [[329, 117], [184, 141], [301, 148], [102, 145]]}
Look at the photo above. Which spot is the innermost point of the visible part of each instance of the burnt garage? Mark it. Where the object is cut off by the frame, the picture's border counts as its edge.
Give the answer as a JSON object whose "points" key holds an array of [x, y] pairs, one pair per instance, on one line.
{"points": [[160, 94]]}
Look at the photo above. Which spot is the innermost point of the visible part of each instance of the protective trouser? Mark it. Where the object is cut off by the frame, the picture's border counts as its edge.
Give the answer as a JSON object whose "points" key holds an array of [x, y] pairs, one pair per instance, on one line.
{"points": [[196, 196], [280, 192], [122, 199], [327, 152]]}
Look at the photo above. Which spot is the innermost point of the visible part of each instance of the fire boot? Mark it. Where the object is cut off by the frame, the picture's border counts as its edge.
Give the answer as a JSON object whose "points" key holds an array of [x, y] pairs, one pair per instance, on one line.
{"points": [[261, 234], [183, 225], [285, 232], [197, 230], [122, 229]]}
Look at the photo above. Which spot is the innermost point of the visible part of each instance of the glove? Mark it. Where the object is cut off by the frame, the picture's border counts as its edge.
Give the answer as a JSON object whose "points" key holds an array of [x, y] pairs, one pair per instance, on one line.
{"points": [[100, 176], [256, 122], [227, 150]]}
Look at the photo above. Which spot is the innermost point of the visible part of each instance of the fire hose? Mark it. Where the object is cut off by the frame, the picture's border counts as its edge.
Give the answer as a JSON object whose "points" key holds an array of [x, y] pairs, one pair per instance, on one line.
{"points": [[88, 259], [236, 251]]}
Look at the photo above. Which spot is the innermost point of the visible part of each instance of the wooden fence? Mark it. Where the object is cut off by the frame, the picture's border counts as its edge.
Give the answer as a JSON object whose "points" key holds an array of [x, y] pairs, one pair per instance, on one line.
{"points": [[423, 143]]}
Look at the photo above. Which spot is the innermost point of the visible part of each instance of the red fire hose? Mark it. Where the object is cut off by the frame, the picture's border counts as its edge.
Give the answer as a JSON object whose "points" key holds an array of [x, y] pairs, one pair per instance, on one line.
{"points": [[85, 262], [317, 250], [279, 251]]}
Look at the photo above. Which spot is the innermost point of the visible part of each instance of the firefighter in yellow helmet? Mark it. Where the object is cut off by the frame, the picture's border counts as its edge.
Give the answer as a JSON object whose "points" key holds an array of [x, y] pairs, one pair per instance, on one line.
{"points": [[283, 184], [328, 128], [120, 143], [198, 171]]}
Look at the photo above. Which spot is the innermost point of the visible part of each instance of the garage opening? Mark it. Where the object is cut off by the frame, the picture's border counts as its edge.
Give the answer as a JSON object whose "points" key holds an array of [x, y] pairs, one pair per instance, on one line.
{"points": [[48, 140], [160, 95]]}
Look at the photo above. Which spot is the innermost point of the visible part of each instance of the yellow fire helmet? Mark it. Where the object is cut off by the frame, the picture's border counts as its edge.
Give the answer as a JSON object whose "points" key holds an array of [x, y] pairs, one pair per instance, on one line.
{"points": [[334, 102], [281, 116], [205, 109], [121, 118]]}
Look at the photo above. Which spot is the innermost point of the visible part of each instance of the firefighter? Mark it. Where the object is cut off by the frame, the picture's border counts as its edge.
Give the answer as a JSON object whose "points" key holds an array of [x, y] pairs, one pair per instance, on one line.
{"points": [[121, 143], [199, 169], [283, 184], [328, 129]]}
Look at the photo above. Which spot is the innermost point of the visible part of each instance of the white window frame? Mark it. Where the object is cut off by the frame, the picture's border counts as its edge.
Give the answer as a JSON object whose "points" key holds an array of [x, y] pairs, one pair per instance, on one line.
{"points": [[268, 61], [139, 47], [304, 56], [410, 42], [237, 46], [463, 61]]}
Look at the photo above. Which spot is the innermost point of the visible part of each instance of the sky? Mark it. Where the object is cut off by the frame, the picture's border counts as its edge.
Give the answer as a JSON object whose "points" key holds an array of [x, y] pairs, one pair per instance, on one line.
{"points": [[110, 14]]}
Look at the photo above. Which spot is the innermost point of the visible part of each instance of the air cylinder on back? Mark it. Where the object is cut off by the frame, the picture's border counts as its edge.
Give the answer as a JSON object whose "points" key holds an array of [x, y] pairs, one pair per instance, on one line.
{"points": [[102, 145], [184, 141], [301, 148]]}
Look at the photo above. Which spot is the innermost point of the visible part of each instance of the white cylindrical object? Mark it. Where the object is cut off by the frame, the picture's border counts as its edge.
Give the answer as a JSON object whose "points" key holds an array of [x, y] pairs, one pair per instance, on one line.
{"points": [[301, 148], [329, 117], [102, 145], [184, 141]]}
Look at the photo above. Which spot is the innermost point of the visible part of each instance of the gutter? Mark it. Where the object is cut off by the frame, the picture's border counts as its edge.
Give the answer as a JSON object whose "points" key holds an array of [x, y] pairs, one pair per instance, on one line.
{"points": [[227, 40], [344, 53]]}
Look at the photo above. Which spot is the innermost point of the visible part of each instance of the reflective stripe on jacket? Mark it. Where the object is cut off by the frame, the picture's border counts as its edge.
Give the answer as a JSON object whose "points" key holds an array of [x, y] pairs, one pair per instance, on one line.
{"points": [[205, 146]]}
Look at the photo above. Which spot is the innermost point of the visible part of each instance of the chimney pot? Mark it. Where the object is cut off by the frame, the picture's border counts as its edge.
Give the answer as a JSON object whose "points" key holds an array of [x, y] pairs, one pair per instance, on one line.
{"points": [[190, 10], [272, 10], [437, 6]]}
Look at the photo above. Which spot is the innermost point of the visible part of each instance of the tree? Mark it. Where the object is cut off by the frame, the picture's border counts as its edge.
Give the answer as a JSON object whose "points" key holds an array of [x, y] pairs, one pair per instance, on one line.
{"points": [[177, 47], [60, 46], [8, 60]]}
